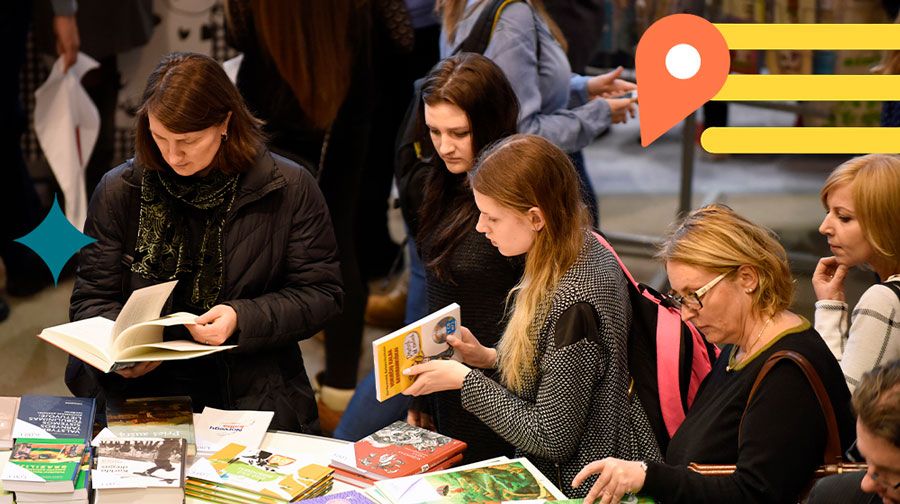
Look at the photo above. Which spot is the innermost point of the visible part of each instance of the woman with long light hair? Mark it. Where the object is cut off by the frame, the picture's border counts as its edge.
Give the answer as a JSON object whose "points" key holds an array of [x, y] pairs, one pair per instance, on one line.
{"points": [[562, 399]]}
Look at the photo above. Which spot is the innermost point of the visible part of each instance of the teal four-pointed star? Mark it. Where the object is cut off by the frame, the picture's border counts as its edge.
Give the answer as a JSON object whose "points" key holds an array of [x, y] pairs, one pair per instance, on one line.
{"points": [[55, 240]]}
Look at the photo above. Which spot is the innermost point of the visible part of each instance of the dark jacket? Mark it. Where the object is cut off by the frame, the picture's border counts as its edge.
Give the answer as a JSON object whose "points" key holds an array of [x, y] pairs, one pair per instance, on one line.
{"points": [[281, 277]]}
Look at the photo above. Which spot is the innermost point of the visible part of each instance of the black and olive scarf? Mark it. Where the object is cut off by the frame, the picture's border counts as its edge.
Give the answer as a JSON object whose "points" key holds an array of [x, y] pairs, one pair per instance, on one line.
{"points": [[165, 248]]}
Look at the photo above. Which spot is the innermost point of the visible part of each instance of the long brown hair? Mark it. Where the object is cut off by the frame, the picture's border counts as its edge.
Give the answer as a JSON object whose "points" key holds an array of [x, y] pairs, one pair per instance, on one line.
{"points": [[521, 172], [452, 11], [476, 85], [191, 92], [313, 45]]}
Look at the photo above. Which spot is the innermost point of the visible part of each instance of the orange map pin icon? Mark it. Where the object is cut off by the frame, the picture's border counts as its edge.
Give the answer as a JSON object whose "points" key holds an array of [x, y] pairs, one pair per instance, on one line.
{"points": [[682, 61]]}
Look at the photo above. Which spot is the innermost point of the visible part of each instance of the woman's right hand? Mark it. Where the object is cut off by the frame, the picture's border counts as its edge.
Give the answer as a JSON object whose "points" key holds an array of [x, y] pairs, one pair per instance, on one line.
{"points": [[473, 353], [138, 370], [828, 279], [420, 419], [621, 108]]}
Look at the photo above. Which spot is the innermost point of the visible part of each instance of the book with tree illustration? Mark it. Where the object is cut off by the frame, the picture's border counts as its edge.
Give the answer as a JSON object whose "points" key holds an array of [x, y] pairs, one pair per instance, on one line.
{"points": [[421, 341], [135, 336]]}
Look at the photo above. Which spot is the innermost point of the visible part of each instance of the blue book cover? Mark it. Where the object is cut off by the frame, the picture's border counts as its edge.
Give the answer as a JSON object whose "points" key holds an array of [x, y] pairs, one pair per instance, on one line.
{"points": [[49, 417]]}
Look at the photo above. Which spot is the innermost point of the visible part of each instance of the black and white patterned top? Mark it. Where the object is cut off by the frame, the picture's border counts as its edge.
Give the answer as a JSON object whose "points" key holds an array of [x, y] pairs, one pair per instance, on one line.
{"points": [[575, 407]]}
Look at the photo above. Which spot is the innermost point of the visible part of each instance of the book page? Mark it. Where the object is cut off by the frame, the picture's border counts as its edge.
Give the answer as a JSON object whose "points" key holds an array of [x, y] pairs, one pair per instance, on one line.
{"points": [[151, 331], [168, 350], [143, 305], [91, 336]]}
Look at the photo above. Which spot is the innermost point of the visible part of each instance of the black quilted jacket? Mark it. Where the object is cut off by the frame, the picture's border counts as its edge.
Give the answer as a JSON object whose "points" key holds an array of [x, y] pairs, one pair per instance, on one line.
{"points": [[281, 277]]}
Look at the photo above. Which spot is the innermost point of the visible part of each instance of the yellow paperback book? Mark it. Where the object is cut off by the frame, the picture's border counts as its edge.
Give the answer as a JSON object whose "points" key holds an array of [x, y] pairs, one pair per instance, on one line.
{"points": [[421, 341]]}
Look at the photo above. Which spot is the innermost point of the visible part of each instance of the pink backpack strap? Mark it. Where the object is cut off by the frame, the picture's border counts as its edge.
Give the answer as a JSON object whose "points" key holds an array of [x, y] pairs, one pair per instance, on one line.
{"points": [[609, 247]]}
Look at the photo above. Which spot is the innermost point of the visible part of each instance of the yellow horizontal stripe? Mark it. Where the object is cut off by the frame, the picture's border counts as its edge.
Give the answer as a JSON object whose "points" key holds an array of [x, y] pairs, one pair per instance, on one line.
{"points": [[801, 140], [810, 36], [810, 88]]}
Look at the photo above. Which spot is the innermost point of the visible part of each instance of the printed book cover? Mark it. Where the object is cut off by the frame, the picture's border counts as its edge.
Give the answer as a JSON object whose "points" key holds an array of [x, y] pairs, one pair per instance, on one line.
{"points": [[217, 428], [50, 417], [51, 463], [285, 476], [350, 497], [139, 463], [512, 480], [9, 408], [421, 341], [400, 449], [153, 417]]}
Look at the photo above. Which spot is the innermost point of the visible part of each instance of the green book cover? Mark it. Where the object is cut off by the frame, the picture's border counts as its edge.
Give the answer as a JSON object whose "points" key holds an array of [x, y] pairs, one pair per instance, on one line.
{"points": [[44, 460]]}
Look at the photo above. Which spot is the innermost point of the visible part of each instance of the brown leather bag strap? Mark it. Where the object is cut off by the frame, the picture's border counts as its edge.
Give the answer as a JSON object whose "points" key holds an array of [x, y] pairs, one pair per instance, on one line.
{"points": [[833, 444]]}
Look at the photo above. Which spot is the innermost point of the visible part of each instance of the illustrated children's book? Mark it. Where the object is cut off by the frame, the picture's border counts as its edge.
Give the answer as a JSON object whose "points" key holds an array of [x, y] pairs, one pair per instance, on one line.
{"points": [[50, 417], [43, 465], [398, 450], [283, 476], [511, 480], [156, 417], [421, 341], [135, 336], [351, 497]]}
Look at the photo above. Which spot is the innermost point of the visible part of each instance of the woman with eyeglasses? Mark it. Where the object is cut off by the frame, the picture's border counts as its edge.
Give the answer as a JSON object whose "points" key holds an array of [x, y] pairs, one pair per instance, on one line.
{"points": [[730, 277]]}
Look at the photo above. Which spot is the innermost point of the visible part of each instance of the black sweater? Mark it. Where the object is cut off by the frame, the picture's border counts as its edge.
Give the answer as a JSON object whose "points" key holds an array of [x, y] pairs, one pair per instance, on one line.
{"points": [[480, 279], [783, 436]]}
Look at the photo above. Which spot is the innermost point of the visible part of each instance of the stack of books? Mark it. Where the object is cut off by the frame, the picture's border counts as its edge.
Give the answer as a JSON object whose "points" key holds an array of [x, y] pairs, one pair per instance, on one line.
{"points": [[51, 457], [9, 408], [395, 451], [239, 474], [139, 470], [494, 480], [6, 497]]}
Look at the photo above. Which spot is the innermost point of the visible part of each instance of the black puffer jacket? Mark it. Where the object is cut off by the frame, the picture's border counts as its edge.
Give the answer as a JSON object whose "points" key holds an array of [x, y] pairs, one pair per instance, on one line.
{"points": [[281, 277]]}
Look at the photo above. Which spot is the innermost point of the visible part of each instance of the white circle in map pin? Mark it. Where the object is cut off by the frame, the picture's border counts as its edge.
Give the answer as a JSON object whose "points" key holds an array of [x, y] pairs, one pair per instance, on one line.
{"points": [[683, 61]]}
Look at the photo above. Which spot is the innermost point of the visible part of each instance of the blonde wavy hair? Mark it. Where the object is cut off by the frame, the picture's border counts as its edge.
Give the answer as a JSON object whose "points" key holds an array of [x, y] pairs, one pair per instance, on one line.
{"points": [[716, 238], [519, 173], [875, 183]]}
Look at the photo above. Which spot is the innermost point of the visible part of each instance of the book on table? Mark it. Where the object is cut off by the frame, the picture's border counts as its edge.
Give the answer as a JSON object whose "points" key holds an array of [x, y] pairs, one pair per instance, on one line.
{"points": [[43, 465], [237, 471], [348, 497], [79, 495], [360, 481], [9, 408], [494, 480], [398, 450], [52, 417], [135, 336], [421, 341], [153, 417], [129, 468], [215, 428]]}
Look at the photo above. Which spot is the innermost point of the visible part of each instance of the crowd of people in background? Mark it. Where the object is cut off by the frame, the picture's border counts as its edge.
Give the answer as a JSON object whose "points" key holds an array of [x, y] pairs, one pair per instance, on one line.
{"points": [[256, 195]]}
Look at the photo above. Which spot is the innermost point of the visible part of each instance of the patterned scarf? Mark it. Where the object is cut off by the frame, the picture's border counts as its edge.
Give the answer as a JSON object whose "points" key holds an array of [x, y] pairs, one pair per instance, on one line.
{"points": [[165, 249]]}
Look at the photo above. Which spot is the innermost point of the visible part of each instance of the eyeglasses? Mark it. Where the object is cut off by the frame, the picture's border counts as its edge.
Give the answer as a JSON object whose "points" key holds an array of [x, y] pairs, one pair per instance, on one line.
{"points": [[692, 299]]}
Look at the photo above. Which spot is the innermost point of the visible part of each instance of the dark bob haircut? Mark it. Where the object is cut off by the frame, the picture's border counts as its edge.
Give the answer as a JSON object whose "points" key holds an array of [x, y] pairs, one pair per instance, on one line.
{"points": [[190, 92]]}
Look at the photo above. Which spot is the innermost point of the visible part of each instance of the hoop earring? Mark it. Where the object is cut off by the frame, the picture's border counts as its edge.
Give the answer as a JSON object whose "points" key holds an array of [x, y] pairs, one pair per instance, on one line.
{"points": [[225, 137]]}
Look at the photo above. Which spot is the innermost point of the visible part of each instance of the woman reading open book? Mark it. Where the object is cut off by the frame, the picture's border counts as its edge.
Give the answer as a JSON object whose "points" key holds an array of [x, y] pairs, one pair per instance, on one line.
{"points": [[245, 232]]}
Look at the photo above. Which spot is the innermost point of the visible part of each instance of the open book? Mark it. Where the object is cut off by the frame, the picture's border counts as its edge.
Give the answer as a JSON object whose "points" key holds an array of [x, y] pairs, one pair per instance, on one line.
{"points": [[421, 341], [135, 336]]}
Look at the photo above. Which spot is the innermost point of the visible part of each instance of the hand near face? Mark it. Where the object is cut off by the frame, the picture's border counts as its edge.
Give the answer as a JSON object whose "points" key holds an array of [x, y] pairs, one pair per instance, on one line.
{"points": [[828, 279], [436, 376], [138, 370], [473, 353], [215, 326], [616, 478]]}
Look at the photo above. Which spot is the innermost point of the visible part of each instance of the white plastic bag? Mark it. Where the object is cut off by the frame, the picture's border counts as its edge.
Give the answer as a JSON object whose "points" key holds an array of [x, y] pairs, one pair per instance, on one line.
{"points": [[67, 123]]}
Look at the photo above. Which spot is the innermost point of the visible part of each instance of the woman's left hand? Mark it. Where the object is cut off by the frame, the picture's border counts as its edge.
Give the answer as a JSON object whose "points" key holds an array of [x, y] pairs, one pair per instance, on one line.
{"points": [[616, 478], [609, 85], [215, 326], [436, 376]]}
